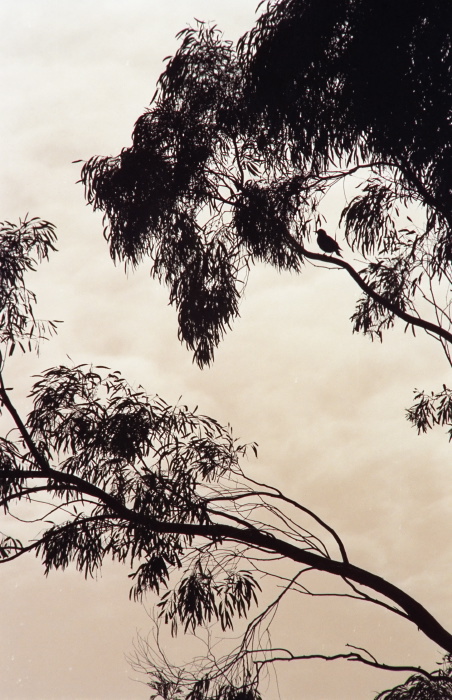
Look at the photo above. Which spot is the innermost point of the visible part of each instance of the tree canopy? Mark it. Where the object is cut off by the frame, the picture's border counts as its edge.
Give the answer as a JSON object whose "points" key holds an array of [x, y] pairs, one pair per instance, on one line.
{"points": [[227, 168], [233, 164], [358, 80]]}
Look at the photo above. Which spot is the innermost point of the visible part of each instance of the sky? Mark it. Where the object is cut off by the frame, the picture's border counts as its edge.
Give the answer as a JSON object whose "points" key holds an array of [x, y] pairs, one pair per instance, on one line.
{"points": [[326, 407]]}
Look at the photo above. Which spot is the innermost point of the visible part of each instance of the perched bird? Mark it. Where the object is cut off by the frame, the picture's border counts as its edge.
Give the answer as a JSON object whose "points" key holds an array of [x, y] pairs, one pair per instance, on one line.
{"points": [[326, 243]]}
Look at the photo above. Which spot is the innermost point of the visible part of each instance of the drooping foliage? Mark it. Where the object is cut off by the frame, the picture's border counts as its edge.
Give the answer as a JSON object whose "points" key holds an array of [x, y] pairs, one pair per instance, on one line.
{"points": [[234, 159], [22, 247], [153, 193], [146, 456], [190, 194], [431, 409], [358, 79]]}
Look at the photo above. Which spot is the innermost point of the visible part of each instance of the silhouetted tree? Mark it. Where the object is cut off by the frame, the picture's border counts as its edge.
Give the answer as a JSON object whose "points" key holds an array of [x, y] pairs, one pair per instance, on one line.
{"points": [[234, 160], [108, 471], [231, 164], [241, 145], [359, 81]]}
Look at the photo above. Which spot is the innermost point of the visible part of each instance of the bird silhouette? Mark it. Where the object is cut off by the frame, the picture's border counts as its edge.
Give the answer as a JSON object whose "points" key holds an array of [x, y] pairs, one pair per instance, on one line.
{"points": [[326, 243]]}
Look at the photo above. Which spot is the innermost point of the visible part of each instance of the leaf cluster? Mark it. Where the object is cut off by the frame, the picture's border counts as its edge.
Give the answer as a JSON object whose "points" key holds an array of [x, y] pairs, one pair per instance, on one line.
{"points": [[369, 225], [157, 194], [202, 275], [264, 216], [430, 409], [202, 691], [22, 247], [390, 278], [204, 594]]}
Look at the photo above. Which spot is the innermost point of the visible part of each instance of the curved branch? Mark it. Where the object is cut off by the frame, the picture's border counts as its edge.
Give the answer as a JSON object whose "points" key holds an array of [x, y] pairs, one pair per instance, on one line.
{"points": [[262, 540], [279, 495], [368, 289], [21, 552], [22, 494]]}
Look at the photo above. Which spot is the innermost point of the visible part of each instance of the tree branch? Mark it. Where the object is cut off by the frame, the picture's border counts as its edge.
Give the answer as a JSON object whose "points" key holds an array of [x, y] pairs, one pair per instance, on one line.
{"points": [[40, 460], [279, 495], [415, 611], [351, 656], [262, 540], [408, 318]]}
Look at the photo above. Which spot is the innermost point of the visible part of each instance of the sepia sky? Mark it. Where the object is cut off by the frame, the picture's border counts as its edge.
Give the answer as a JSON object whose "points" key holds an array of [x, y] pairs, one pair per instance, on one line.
{"points": [[327, 408]]}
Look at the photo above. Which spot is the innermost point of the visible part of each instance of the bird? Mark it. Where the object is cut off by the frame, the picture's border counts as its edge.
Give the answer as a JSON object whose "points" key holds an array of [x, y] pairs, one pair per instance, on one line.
{"points": [[326, 243]]}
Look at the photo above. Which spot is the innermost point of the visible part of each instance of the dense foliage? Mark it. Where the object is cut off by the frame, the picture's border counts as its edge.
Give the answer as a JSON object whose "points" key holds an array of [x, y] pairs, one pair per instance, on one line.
{"points": [[234, 159], [233, 164], [360, 80]]}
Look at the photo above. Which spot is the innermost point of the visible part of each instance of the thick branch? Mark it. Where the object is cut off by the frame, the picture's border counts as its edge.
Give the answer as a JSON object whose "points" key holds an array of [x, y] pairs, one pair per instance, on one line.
{"points": [[250, 536], [261, 540], [25, 493], [264, 541]]}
